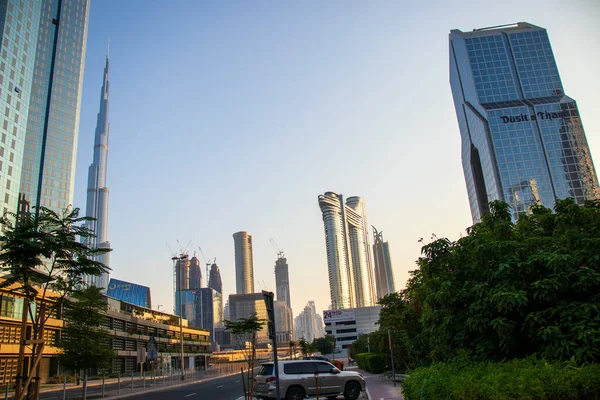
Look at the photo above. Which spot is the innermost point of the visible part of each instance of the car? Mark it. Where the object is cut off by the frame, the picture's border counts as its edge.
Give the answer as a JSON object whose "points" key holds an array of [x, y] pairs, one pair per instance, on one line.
{"points": [[299, 379], [322, 358]]}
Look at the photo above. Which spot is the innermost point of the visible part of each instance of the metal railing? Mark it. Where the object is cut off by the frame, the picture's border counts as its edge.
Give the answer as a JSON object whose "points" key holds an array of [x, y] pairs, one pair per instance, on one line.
{"points": [[133, 382]]}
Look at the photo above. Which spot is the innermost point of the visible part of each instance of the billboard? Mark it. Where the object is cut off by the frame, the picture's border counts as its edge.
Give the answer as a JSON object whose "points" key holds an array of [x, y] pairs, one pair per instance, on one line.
{"points": [[338, 315]]}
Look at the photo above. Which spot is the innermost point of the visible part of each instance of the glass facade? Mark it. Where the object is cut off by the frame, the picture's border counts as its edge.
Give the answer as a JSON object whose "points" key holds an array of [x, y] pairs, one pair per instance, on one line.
{"points": [[19, 25], [48, 172], [522, 137], [129, 293]]}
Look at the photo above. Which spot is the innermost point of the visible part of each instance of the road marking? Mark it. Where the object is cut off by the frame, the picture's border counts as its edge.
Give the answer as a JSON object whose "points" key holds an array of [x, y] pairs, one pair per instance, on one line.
{"points": [[220, 386], [237, 381], [191, 394]]}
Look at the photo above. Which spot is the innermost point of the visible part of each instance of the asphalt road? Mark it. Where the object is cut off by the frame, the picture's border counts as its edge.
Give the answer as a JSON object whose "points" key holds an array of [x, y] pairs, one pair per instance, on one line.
{"points": [[166, 387], [225, 388]]}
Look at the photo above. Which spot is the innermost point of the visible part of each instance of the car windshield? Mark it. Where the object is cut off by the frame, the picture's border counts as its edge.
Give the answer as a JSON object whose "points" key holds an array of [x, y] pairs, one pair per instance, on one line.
{"points": [[267, 369]]}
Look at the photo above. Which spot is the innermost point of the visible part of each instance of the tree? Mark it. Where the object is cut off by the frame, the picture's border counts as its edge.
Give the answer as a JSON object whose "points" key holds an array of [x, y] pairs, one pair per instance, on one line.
{"points": [[324, 345], [292, 345], [243, 331], [304, 346], [44, 257], [84, 342], [511, 290]]}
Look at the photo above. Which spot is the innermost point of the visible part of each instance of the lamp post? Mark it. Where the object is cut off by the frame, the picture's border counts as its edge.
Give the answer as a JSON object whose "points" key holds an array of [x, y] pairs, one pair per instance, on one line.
{"points": [[178, 283]]}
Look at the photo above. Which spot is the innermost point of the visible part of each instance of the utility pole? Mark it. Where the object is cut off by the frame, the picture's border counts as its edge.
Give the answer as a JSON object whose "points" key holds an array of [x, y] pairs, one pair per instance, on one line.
{"points": [[178, 280], [272, 335], [392, 355]]}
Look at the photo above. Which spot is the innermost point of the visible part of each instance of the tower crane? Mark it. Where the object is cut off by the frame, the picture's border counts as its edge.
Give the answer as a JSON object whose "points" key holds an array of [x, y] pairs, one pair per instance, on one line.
{"points": [[207, 263], [280, 253]]}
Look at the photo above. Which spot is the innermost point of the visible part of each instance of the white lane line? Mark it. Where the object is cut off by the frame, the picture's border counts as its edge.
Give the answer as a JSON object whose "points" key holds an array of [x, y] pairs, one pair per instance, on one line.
{"points": [[191, 394], [237, 381], [220, 386]]}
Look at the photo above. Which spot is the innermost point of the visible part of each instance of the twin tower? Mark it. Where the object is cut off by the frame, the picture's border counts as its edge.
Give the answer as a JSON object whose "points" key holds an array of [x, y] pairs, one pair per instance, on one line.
{"points": [[350, 265]]}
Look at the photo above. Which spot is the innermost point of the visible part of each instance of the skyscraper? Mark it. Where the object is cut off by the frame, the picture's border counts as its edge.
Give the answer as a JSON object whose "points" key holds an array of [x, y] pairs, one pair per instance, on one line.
{"points": [[284, 322], [48, 173], [244, 264], [282, 280], [348, 251], [522, 137], [384, 276], [195, 281], [214, 279], [97, 192], [19, 29], [308, 324]]}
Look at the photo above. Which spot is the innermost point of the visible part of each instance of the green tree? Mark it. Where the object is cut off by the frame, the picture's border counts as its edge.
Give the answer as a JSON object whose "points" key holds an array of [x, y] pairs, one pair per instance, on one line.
{"points": [[293, 346], [244, 331], [84, 342], [400, 314], [44, 257], [324, 345], [304, 346], [510, 290]]}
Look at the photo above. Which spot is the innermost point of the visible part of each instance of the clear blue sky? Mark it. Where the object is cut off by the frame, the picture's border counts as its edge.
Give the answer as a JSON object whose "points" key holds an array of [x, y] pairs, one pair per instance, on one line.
{"points": [[229, 116]]}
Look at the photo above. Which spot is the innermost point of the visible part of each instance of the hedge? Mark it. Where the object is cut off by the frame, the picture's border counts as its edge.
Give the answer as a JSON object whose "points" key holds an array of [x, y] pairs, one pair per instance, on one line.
{"points": [[527, 379], [374, 363]]}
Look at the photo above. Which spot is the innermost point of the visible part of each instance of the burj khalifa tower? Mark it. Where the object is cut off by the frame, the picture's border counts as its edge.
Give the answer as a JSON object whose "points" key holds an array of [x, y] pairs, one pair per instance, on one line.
{"points": [[97, 192]]}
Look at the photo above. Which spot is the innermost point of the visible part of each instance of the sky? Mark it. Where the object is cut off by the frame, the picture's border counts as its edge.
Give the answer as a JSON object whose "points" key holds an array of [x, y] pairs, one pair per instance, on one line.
{"points": [[236, 115]]}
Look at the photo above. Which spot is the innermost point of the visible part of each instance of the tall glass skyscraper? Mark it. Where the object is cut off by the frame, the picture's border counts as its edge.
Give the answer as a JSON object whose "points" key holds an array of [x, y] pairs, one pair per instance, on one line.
{"points": [[244, 263], [97, 191], [19, 29], [214, 279], [348, 251], [282, 280], [522, 136], [384, 276], [48, 173]]}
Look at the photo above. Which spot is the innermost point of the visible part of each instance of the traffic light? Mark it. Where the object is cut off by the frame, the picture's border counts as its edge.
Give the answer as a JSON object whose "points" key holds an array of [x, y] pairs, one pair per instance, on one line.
{"points": [[270, 313]]}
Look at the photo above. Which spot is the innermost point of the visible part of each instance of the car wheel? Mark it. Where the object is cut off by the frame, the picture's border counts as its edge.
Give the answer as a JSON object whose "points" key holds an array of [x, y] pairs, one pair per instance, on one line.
{"points": [[294, 393], [352, 391]]}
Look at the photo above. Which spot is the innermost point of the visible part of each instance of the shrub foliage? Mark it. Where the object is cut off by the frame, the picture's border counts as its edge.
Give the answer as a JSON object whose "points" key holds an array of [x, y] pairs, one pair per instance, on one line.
{"points": [[516, 379]]}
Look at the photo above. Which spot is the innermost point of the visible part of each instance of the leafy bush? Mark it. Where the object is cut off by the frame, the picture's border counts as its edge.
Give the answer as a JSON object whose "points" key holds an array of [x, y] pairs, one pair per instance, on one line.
{"points": [[529, 379], [372, 362]]}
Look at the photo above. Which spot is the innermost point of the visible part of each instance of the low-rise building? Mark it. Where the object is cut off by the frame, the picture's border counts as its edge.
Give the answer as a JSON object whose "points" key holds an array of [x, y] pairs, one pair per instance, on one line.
{"points": [[134, 330], [346, 324]]}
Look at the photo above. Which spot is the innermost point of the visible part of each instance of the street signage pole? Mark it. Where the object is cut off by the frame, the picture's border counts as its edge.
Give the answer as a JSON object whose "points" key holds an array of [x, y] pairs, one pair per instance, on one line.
{"points": [[272, 334]]}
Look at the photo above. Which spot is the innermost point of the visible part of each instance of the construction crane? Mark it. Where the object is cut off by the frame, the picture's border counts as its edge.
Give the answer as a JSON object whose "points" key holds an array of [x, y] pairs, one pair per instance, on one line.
{"points": [[207, 263], [280, 253]]}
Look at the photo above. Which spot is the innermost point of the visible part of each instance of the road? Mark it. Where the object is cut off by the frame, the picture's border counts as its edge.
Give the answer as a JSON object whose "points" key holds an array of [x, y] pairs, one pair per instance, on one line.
{"points": [[165, 388], [225, 388]]}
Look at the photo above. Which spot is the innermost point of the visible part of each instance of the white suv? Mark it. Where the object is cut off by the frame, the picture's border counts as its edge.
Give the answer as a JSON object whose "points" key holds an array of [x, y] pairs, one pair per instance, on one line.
{"points": [[299, 379]]}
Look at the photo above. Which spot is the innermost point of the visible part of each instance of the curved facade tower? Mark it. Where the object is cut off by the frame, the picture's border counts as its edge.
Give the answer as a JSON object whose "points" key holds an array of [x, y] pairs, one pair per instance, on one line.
{"points": [[244, 264], [348, 251], [97, 192]]}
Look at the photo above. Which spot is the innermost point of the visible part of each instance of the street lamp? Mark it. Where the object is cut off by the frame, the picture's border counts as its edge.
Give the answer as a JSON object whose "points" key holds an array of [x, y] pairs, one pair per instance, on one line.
{"points": [[178, 283]]}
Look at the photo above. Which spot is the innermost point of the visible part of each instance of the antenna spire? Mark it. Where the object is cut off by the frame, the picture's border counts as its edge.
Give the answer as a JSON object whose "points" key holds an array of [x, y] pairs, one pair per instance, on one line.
{"points": [[108, 48]]}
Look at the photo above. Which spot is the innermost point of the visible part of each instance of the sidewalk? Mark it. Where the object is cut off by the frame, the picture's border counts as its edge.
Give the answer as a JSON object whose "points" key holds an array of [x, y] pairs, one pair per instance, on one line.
{"points": [[380, 387]]}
